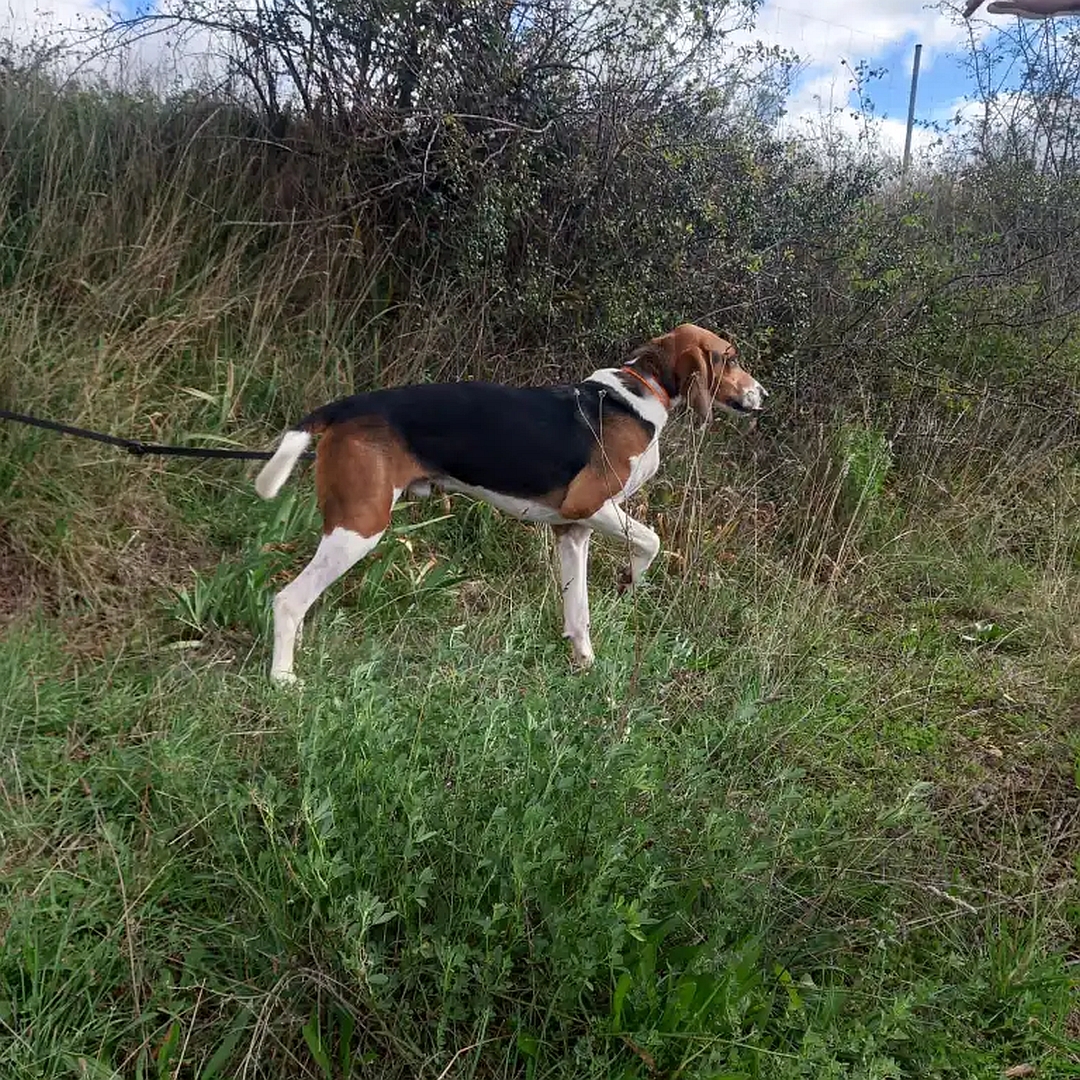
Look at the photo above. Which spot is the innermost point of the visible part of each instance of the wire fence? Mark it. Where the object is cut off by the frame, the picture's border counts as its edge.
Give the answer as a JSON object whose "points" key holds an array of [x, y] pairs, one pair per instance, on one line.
{"points": [[853, 77]]}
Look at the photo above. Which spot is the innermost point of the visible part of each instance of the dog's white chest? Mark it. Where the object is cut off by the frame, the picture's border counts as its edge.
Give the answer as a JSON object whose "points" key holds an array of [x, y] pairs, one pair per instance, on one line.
{"points": [[642, 469]]}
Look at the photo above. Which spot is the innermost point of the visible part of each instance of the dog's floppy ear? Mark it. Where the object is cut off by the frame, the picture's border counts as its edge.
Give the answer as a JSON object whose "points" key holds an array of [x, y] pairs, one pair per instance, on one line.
{"points": [[692, 375]]}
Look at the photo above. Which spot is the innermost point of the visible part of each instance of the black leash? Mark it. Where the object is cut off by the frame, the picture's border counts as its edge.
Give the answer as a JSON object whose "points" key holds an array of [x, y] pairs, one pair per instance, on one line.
{"points": [[135, 446]]}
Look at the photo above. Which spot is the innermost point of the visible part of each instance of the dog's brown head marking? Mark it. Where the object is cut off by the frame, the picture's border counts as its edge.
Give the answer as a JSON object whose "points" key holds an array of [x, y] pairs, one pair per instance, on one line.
{"points": [[702, 369]]}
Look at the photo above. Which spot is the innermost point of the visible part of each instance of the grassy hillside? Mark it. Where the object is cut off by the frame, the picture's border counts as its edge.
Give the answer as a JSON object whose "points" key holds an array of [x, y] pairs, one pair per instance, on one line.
{"points": [[813, 814]]}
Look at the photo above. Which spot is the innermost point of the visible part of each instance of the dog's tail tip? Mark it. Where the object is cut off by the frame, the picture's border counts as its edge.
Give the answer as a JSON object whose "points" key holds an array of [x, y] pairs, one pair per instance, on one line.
{"points": [[276, 471]]}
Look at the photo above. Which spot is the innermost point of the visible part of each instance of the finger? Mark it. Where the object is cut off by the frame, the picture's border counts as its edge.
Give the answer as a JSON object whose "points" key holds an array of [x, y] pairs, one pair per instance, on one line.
{"points": [[972, 7], [1010, 7]]}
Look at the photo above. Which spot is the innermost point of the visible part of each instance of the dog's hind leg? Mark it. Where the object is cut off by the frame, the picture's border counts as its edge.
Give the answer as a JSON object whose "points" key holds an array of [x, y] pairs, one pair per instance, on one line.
{"points": [[337, 553], [359, 474]]}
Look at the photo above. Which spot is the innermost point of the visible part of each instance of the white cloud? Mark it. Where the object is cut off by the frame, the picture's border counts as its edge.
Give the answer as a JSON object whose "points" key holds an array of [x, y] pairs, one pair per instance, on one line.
{"points": [[70, 32], [819, 27], [821, 104], [832, 36], [29, 21]]}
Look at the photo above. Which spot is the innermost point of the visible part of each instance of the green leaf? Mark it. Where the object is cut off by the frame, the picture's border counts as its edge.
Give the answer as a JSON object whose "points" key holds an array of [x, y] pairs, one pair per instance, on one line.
{"points": [[348, 1026], [167, 1049], [622, 988], [313, 1039], [222, 1054]]}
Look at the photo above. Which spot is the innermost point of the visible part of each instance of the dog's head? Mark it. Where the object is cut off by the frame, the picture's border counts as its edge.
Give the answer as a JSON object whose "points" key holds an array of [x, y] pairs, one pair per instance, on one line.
{"points": [[702, 369]]}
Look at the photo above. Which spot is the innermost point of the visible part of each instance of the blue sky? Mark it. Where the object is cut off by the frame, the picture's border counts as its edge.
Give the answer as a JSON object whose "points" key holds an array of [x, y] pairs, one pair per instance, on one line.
{"points": [[939, 82]]}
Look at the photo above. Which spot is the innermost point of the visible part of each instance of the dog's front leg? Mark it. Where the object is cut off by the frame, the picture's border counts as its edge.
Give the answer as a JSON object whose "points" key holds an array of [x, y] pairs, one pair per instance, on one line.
{"points": [[642, 542], [573, 576]]}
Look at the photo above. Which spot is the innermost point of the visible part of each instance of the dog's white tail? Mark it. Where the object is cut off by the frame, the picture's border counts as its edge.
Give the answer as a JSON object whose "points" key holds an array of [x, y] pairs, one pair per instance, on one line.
{"points": [[276, 471]]}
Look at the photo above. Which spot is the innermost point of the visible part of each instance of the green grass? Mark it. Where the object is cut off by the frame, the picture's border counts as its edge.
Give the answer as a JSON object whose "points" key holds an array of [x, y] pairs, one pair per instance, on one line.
{"points": [[814, 813], [785, 828]]}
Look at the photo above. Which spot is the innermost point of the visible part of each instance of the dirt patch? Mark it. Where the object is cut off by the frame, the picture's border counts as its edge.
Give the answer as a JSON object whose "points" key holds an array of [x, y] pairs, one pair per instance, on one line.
{"points": [[101, 591], [22, 583], [1072, 1024], [1019, 807]]}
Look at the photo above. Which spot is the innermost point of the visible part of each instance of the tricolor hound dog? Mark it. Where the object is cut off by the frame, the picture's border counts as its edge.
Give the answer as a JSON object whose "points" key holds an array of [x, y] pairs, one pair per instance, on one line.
{"points": [[565, 456]]}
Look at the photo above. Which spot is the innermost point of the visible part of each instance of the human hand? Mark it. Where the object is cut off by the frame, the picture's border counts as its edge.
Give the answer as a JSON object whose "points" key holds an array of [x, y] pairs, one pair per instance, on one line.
{"points": [[1025, 9]]}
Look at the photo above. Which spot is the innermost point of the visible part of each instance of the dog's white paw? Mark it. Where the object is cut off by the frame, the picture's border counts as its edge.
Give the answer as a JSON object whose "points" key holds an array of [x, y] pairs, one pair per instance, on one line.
{"points": [[581, 660], [285, 680]]}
